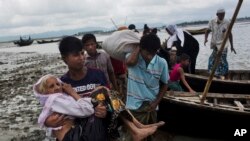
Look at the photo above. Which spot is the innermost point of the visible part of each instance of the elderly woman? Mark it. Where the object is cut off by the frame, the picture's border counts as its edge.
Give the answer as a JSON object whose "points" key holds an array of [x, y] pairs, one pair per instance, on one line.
{"points": [[184, 43]]}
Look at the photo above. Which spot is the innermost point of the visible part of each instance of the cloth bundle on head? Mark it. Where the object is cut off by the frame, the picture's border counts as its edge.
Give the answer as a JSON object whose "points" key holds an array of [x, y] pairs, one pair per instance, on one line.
{"points": [[119, 43], [122, 28], [176, 32]]}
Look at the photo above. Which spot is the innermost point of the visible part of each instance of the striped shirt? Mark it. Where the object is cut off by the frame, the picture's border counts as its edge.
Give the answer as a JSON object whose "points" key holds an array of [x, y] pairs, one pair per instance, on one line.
{"points": [[143, 82]]}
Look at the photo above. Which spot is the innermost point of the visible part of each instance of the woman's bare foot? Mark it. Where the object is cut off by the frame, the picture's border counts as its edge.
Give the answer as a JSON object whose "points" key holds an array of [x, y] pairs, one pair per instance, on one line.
{"points": [[140, 134], [158, 124], [140, 125]]}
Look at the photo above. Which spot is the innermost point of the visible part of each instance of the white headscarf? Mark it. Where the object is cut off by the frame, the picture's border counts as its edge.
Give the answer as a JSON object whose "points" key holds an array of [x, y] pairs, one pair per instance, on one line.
{"points": [[177, 32], [42, 97]]}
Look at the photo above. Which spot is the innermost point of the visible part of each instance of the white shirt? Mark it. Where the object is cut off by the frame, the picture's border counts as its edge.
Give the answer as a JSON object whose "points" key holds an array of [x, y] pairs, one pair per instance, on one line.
{"points": [[218, 32]]}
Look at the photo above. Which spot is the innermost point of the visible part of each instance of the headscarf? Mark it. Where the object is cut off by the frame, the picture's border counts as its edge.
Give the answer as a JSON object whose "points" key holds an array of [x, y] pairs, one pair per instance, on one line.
{"points": [[176, 32], [172, 28], [42, 97]]}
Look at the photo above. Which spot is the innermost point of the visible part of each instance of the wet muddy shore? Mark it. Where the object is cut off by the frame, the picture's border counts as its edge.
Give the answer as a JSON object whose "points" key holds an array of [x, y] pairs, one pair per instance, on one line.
{"points": [[19, 109]]}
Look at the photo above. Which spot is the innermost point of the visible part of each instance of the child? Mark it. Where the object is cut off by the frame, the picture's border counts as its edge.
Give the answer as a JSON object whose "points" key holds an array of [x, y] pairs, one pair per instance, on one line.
{"points": [[177, 74], [98, 59], [49, 90]]}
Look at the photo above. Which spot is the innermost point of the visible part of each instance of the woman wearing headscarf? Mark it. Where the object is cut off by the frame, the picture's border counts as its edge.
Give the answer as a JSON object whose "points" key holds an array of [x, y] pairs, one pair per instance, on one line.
{"points": [[184, 43]]}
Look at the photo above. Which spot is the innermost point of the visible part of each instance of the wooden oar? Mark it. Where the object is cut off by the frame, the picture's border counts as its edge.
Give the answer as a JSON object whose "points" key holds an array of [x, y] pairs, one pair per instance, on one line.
{"points": [[220, 52]]}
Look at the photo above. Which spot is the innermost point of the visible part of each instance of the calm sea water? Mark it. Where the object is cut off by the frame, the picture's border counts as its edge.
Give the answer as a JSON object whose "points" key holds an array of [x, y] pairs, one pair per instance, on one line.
{"points": [[236, 61]]}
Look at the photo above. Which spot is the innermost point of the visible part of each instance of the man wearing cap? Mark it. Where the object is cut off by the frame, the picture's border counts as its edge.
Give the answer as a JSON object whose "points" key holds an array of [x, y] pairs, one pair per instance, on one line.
{"points": [[218, 27]]}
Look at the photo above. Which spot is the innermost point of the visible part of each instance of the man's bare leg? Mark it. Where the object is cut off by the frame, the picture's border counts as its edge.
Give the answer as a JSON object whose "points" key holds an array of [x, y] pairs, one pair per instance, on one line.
{"points": [[139, 134], [140, 125]]}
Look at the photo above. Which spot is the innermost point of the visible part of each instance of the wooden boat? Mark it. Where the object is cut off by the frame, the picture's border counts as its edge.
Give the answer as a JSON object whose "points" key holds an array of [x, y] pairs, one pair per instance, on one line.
{"points": [[197, 31], [47, 41], [217, 118], [23, 42], [237, 82]]}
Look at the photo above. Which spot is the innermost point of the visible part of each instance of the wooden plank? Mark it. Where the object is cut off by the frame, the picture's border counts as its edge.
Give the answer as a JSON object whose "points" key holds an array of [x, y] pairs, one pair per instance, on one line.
{"points": [[228, 96], [240, 106], [185, 95], [215, 102], [227, 106], [248, 102], [197, 101], [193, 100], [210, 95]]}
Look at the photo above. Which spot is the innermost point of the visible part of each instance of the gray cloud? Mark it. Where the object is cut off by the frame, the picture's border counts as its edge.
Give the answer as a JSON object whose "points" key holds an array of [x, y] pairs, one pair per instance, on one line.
{"points": [[35, 16]]}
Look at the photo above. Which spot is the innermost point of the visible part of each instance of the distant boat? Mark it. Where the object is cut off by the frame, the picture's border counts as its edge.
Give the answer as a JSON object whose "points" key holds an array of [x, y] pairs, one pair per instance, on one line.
{"points": [[24, 42], [47, 41], [236, 82], [217, 118], [197, 31]]}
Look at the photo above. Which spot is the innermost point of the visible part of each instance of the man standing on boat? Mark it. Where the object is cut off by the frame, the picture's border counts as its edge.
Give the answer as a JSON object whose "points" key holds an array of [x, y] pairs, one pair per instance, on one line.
{"points": [[218, 27]]}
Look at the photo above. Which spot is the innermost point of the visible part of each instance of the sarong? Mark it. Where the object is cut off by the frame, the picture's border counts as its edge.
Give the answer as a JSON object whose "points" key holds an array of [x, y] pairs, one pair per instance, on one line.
{"points": [[222, 68]]}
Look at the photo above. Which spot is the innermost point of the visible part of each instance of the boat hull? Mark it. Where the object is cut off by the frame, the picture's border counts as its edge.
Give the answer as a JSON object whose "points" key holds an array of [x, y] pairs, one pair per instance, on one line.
{"points": [[23, 43], [201, 121], [47, 41], [239, 83], [197, 31]]}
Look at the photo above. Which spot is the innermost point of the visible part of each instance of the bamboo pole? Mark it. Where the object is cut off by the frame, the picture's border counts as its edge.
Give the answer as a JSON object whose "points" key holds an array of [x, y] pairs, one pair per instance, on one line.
{"points": [[132, 116], [220, 52], [114, 23]]}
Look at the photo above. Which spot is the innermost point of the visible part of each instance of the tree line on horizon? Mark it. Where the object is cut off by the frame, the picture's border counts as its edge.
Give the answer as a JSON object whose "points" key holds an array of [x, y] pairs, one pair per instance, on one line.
{"points": [[206, 21]]}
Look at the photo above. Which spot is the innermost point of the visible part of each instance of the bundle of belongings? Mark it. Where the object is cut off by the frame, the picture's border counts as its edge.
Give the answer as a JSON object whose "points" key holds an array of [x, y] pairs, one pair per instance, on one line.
{"points": [[119, 43], [114, 107]]}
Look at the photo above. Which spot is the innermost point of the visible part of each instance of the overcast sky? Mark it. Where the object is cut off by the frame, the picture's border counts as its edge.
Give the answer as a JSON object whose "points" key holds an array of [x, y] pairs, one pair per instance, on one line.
{"points": [[19, 17]]}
